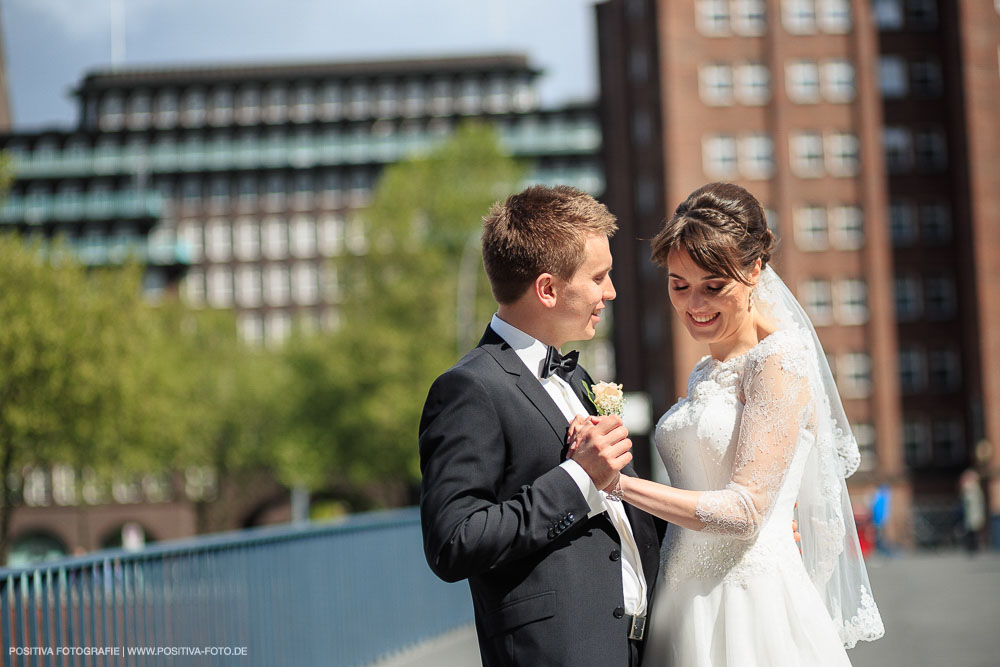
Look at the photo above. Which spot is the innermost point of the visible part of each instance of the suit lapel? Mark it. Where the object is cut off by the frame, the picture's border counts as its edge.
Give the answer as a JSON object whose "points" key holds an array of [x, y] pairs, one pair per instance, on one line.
{"points": [[526, 382], [580, 381]]}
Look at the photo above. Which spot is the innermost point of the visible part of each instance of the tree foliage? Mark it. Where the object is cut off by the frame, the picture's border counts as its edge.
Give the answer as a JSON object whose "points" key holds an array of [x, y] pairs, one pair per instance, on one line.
{"points": [[359, 392]]}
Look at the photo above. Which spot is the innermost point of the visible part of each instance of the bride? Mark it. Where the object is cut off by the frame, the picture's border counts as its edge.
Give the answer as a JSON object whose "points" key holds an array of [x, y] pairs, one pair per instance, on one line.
{"points": [[761, 429]]}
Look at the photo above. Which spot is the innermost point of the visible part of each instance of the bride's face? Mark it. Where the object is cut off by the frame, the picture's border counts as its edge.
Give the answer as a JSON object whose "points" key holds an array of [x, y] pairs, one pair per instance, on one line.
{"points": [[715, 309]]}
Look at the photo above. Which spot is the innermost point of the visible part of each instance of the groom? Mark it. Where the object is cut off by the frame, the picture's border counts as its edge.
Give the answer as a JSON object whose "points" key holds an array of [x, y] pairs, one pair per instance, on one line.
{"points": [[560, 573]]}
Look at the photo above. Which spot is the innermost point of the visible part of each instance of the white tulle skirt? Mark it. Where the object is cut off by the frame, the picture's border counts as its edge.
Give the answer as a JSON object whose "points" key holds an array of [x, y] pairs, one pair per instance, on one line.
{"points": [[772, 619]]}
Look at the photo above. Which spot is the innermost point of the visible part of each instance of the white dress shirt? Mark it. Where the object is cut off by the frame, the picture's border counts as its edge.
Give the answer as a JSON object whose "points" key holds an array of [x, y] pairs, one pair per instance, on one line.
{"points": [[532, 353]]}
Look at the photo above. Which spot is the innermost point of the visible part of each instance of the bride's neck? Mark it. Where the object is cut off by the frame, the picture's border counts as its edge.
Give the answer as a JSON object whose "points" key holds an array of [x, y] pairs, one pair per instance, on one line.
{"points": [[752, 332]]}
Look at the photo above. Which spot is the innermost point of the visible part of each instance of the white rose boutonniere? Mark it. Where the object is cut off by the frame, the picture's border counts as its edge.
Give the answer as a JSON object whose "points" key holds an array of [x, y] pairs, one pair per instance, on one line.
{"points": [[607, 397]]}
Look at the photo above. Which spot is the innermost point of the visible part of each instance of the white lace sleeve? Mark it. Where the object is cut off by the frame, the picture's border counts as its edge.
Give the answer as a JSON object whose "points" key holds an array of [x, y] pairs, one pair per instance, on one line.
{"points": [[777, 404]]}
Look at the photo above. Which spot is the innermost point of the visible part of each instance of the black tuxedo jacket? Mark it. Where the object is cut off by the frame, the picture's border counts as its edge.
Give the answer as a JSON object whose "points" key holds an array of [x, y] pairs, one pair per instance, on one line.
{"points": [[497, 509]]}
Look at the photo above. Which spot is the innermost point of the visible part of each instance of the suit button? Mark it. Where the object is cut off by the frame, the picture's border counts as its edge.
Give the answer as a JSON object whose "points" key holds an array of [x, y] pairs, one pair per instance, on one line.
{"points": [[615, 555], [563, 525], [619, 612], [552, 533], [569, 516]]}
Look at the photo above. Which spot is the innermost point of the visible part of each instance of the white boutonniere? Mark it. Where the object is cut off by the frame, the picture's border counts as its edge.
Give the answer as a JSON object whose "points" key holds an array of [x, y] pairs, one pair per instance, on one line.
{"points": [[607, 397]]}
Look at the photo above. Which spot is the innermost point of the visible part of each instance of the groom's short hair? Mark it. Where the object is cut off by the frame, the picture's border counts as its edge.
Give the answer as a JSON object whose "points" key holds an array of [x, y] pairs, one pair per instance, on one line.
{"points": [[540, 230]]}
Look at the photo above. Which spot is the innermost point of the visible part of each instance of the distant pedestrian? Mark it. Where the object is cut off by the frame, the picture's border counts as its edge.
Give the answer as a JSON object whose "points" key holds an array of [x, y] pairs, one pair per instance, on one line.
{"points": [[973, 509], [881, 506]]}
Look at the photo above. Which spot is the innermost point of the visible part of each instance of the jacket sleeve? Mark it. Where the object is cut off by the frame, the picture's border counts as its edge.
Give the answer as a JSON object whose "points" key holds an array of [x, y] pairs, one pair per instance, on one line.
{"points": [[467, 528]]}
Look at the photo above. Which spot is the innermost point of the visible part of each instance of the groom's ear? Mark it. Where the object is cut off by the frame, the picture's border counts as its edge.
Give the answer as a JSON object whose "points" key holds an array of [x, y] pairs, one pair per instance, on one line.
{"points": [[545, 289]]}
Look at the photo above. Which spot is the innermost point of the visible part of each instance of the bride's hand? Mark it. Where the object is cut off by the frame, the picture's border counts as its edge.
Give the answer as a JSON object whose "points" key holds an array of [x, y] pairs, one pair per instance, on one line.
{"points": [[571, 435]]}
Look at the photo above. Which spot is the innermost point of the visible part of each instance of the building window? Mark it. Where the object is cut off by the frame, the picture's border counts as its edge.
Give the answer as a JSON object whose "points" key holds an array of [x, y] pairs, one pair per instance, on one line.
{"points": [[949, 445], [811, 228], [921, 14], [939, 297], [807, 154], [221, 106], [902, 225], [912, 373], [852, 302], [930, 150], [303, 187], [712, 18], [275, 104], [165, 108], [935, 223], [757, 156], [331, 101], [864, 434], [193, 287], [888, 14], [190, 234], [892, 77], [715, 83], [838, 81], [749, 17], [276, 287], [719, 155], [218, 242], [305, 284], [855, 374], [274, 191], [248, 288], [846, 227], [193, 107], [139, 110], [331, 235], [916, 442], [360, 98], [898, 146], [415, 97], [112, 111], [218, 193], [279, 328], [802, 81], [220, 287], [944, 370], [753, 84], [799, 16], [303, 237], [246, 239], [925, 77], [246, 192], [817, 299], [470, 94], [842, 154], [386, 99], [834, 16], [248, 106], [303, 103], [638, 65], [274, 238], [251, 328], [909, 302]]}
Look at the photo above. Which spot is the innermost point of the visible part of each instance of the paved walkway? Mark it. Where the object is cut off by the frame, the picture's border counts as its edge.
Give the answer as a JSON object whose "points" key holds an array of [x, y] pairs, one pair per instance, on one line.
{"points": [[940, 610]]}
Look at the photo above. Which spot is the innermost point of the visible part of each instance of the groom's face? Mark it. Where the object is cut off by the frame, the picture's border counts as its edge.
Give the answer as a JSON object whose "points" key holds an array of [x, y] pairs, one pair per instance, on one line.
{"points": [[582, 299]]}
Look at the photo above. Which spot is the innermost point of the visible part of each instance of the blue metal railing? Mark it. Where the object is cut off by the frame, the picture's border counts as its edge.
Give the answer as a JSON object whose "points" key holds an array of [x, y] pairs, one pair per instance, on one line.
{"points": [[340, 594]]}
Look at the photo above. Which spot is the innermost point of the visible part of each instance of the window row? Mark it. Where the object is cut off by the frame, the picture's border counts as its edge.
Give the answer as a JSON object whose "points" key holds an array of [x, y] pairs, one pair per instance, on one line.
{"points": [[252, 286], [822, 227], [748, 18], [939, 441], [919, 77], [250, 239], [304, 102], [908, 149], [274, 328], [925, 297], [908, 14], [812, 155], [936, 370], [928, 222], [298, 190], [835, 302]]}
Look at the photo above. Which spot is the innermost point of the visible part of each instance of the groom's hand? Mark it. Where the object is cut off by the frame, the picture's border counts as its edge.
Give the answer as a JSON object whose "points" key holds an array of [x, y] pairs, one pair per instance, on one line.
{"points": [[601, 446]]}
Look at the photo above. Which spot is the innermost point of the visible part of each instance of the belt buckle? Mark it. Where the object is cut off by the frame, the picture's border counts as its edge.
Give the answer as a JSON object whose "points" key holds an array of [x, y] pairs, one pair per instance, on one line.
{"points": [[637, 629]]}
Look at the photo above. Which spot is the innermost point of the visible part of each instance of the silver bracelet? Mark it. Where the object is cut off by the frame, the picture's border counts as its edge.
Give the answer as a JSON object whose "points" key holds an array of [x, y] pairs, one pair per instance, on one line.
{"points": [[616, 494]]}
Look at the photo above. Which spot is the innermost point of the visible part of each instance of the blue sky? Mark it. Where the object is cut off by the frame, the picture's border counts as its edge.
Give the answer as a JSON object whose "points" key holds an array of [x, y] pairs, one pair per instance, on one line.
{"points": [[50, 44]]}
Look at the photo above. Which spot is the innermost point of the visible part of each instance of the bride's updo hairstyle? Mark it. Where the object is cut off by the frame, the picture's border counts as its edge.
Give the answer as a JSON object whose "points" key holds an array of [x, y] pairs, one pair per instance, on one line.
{"points": [[722, 227]]}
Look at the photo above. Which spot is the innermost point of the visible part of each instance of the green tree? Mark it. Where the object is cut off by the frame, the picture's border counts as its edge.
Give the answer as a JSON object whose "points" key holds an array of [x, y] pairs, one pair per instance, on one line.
{"points": [[358, 393]]}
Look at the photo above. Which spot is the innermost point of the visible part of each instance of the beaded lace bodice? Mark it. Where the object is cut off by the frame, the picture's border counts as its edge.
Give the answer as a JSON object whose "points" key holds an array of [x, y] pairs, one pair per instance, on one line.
{"points": [[742, 435]]}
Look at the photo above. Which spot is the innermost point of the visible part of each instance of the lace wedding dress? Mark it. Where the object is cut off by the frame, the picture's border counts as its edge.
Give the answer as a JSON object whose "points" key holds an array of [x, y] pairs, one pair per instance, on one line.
{"points": [[738, 592]]}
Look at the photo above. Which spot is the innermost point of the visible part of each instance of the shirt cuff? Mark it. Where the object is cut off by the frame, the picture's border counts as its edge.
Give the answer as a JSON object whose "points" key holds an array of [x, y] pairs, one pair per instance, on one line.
{"points": [[590, 492]]}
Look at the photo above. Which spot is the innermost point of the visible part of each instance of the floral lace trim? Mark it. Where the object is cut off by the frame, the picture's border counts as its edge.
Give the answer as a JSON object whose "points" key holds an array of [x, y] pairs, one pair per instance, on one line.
{"points": [[866, 624]]}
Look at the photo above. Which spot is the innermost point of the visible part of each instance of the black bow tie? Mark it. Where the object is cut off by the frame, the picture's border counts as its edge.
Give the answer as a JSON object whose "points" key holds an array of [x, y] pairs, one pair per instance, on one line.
{"points": [[563, 366]]}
